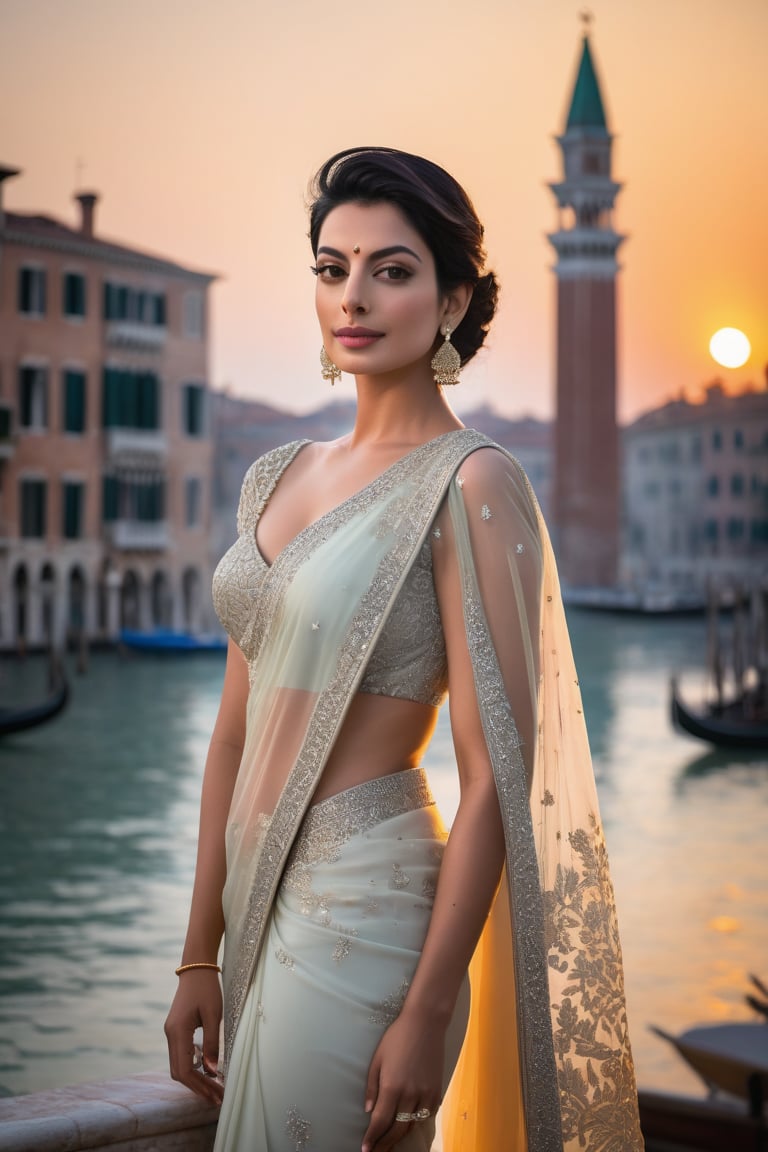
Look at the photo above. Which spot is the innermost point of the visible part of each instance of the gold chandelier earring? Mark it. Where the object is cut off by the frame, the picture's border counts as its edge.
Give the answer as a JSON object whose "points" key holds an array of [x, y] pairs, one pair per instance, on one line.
{"points": [[329, 370], [446, 362]]}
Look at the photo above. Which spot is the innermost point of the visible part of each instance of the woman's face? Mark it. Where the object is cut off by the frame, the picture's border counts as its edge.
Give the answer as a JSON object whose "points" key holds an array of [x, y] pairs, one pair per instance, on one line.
{"points": [[377, 296]]}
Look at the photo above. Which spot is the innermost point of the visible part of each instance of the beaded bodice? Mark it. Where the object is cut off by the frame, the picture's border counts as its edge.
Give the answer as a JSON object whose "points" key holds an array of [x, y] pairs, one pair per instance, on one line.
{"points": [[408, 660]]}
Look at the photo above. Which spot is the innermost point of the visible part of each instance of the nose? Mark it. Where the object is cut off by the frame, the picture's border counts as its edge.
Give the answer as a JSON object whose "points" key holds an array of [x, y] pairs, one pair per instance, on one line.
{"points": [[354, 302]]}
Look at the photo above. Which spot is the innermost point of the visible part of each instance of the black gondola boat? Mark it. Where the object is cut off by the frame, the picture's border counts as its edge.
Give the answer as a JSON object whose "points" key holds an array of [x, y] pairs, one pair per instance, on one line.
{"points": [[19, 719], [727, 725]]}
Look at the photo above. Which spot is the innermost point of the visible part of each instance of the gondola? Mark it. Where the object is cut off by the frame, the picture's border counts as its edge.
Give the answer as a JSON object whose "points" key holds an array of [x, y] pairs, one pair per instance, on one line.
{"points": [[727, 726], [19, 719]]}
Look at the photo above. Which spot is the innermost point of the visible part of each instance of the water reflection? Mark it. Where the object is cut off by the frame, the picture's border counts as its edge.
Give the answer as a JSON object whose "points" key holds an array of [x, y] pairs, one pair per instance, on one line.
{"points": [[98, 819]]}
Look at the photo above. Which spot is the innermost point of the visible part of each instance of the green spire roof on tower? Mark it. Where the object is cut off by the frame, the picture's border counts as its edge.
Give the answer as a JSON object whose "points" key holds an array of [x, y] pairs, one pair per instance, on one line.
{"points": [[587, 104]]}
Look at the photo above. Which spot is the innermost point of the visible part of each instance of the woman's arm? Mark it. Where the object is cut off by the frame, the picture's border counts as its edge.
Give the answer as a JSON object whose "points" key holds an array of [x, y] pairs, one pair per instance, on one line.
{"points": [[407, 1069], [197, 1002]]}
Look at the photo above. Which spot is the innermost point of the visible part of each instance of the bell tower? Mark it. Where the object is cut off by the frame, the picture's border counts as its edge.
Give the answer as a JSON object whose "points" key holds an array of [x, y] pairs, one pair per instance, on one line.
{"points": [[587, 496]]}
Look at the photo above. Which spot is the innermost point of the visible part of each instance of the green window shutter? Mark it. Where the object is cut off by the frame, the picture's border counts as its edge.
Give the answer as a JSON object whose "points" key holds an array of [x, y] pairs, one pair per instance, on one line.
{"points": [[109, 499], [72, 505], [160, 313], [26, 382], [24, 302], [111, 398], [74, 402], [74, 294], [147, 398], [33, 508]]}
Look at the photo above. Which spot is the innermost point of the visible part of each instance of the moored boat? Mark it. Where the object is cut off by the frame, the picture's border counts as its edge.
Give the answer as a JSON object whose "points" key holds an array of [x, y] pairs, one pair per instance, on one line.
{"points": [[727, 725], [20, 719], [166, 640]]}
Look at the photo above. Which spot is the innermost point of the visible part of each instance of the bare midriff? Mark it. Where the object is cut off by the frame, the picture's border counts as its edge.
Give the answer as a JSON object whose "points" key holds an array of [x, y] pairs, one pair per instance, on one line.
{"points": [[380, 735]]}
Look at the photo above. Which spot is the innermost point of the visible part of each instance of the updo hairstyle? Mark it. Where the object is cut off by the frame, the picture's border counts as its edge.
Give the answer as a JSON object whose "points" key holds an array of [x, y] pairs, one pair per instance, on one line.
{"points": [[434, 204]]}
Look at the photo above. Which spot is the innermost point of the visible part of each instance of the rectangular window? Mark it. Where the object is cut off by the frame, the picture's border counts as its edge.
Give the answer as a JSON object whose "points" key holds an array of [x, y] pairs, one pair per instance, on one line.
{"points": [[735, 529], [121, 302], [33, 505], [33, 398], [713, 486], [193, 314], [74, 401], [192, 501], [717, 440], [193, 409], [72, 505], [130, 399], [737, 484], [32, 291], [73, 294], [711, 531]]}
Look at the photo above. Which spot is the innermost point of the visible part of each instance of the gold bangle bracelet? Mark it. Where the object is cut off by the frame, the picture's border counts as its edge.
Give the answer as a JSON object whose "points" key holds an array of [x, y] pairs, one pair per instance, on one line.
{"points": [[199, 964]]}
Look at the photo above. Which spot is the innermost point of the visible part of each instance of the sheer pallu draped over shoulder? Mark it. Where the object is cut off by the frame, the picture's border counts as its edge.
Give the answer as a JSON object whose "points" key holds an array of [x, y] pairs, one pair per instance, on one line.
{"points": [[546, 1062]]}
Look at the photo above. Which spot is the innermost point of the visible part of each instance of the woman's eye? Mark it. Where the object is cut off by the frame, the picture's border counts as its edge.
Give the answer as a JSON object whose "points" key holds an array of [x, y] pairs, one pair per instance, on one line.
{"points": [[328, 271], [394, 272]]}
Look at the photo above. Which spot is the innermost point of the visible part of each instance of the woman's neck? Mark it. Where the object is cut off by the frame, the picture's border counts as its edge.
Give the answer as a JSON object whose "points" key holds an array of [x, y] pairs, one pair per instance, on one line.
{"points": [[397, 414]]}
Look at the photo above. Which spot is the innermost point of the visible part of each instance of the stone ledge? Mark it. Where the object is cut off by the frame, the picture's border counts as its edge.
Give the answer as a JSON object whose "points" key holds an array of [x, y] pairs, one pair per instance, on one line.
{"points": [[131, 1114]]}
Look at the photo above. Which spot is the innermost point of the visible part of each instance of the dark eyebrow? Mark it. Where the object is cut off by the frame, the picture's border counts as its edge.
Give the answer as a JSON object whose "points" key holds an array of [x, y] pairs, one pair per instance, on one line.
{"points": [[381, 254]]}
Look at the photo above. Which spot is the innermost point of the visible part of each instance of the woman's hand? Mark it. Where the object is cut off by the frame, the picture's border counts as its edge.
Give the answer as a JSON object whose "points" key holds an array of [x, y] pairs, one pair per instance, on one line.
{"points": [[406, 1075], [197, 1004]]}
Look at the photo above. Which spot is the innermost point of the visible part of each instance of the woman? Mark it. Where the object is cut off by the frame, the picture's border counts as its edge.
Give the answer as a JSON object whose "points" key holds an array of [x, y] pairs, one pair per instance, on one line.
{"points": [[371, 575]]}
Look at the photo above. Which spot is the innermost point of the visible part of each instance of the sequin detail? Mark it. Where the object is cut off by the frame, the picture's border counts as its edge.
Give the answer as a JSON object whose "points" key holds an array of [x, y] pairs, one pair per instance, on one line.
{"points": [[485, 512], [298, 1129], [285, 959], [399, 879], [341, 951], [520, 548], [390, 1008]]}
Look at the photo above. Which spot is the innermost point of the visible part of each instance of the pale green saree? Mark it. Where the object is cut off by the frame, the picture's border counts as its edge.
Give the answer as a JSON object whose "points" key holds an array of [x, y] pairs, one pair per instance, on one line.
{"points": [[545, 1064]]}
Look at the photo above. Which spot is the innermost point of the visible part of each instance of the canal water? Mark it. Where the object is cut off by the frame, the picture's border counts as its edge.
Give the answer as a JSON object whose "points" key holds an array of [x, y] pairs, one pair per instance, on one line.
{"points": [[98, 818]]}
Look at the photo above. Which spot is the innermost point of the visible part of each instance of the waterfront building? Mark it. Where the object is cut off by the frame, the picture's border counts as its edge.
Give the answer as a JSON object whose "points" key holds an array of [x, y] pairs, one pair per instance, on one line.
{"points": [[105, 447], [696, 493], [586, 496]]}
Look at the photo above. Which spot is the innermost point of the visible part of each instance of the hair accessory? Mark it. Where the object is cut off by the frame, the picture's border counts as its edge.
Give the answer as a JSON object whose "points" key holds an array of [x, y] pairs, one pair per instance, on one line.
{"points": [[328, 368], [407, 1117], [356, 249], [446, 362], [199, 964]]}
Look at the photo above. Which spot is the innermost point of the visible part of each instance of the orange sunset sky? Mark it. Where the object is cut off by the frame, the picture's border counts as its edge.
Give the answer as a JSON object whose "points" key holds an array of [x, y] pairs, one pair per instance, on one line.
{"points": [[200, 123]]}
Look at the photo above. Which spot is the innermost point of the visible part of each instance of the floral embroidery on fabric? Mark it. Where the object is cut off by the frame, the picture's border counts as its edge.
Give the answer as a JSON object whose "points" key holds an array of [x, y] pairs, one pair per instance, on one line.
{"points": [[547, 799], [485, 512], [399, 879], [298, 1129], [594, 1062], [285, 959]]}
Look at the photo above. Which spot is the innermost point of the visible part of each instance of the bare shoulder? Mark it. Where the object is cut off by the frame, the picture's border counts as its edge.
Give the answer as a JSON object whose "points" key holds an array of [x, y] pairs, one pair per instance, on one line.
{"points": [[491, 464]]}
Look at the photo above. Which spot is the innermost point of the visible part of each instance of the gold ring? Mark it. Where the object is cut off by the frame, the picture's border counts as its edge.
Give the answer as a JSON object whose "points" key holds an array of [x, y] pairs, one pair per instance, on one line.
{"points": [[408, 1117]]}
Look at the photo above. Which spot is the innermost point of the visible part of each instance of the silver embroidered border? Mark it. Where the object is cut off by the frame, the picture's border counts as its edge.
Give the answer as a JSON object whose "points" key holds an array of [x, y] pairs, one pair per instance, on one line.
{"points": [[430, 468], [537, 1055]]}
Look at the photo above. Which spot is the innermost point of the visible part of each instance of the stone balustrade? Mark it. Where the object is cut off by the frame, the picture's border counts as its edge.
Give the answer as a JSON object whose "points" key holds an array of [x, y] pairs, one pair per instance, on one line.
{"points": [[143, 1113]]}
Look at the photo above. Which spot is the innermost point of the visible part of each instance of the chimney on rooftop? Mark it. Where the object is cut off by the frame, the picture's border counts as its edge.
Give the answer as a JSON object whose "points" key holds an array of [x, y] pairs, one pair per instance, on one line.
{"points": [[5, 174], [87, 202]]}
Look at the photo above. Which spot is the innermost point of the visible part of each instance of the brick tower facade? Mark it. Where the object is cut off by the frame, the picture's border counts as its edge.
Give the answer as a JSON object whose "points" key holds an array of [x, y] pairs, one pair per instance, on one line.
{"points": [[586, 503]]}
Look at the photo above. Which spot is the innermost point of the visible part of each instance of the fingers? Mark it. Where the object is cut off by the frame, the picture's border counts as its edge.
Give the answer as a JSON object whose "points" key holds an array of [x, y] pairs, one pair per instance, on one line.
{"points": [[385, 1129], [199, 1074]]}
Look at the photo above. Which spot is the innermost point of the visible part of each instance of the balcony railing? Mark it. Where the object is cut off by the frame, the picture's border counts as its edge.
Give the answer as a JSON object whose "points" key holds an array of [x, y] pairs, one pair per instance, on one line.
{"points": [[139, 535], [139, 337], [130, 444]]}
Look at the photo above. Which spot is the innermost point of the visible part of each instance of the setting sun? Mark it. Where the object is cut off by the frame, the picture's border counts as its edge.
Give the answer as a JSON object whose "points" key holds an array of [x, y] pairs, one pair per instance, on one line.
{"points": [[730, 347]]}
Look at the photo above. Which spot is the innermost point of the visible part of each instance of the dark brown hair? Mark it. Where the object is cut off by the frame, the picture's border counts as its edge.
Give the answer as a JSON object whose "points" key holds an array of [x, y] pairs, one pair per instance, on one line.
{"points": [[435, 205]]}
